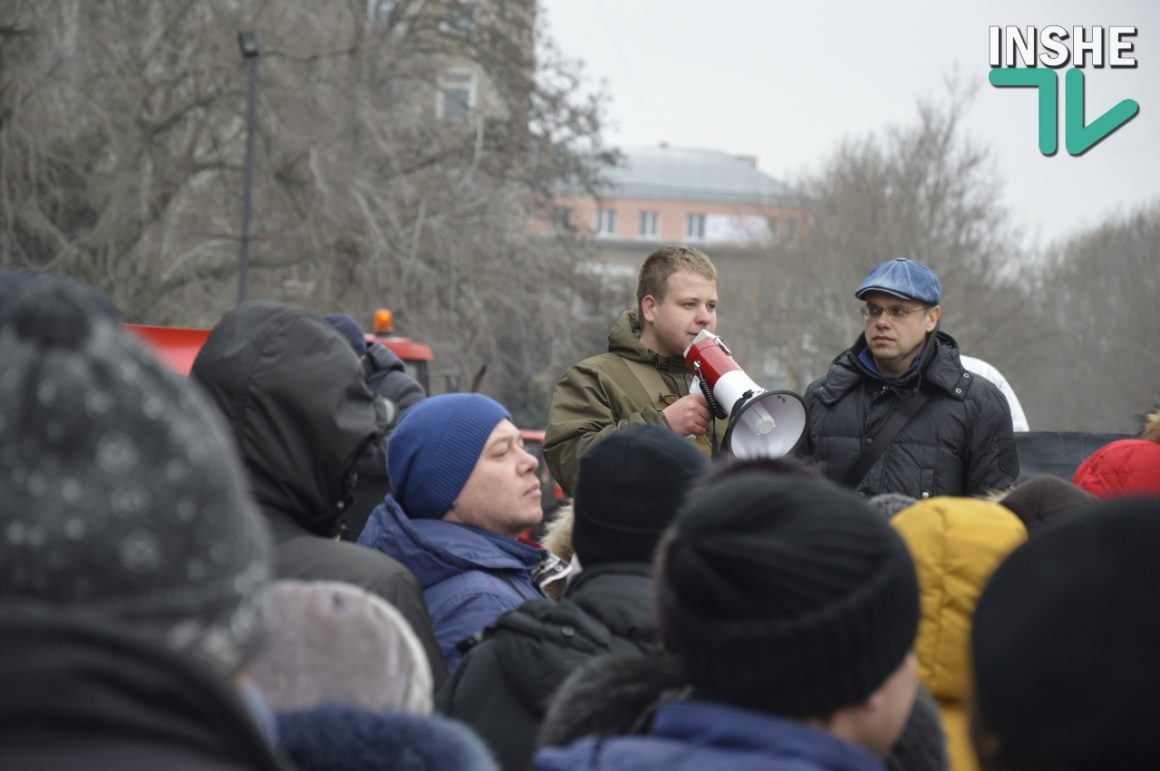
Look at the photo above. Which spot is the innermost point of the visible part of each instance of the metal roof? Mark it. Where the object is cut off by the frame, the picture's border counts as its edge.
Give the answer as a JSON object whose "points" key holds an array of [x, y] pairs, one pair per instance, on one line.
{"points": [[684, 173]]}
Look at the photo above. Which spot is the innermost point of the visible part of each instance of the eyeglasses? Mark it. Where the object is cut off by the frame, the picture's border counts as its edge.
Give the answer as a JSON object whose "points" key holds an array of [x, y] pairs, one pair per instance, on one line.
{"points": [[895, 312]]}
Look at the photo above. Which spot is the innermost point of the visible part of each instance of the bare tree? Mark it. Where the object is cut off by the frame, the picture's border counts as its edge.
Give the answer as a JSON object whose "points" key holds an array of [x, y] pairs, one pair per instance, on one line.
{"points": [[121, 136], [1097, 366], [920, 191]]}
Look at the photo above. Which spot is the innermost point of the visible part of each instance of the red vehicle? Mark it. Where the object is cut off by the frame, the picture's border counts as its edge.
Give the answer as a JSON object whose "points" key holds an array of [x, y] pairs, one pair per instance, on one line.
{"points": [[178, 347]]}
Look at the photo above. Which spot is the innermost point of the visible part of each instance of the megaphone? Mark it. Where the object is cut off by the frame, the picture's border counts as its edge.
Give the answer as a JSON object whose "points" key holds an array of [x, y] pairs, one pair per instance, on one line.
{"points": [[762, 424]]}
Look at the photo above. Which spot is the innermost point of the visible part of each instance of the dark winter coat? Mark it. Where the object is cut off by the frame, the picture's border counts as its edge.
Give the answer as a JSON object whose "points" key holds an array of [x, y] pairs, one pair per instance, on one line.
{"points": [[349, 739], [291, 389], [387, 376], [611, 695], [83, 696], [959, 443], [503, 686], [618, 695], [469, 576], [697, 735]]}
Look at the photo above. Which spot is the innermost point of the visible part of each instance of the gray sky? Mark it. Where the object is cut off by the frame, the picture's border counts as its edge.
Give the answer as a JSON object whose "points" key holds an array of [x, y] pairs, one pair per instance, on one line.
{"points": [[788, 81]]}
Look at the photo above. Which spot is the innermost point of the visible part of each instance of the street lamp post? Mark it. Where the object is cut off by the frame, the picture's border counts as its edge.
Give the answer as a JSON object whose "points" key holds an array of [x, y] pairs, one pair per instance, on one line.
{"points": [[248, 45]]}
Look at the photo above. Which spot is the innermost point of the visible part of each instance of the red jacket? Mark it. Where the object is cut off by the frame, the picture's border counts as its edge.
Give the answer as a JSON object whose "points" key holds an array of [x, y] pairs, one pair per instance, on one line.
{"points": [[1122, 468]]}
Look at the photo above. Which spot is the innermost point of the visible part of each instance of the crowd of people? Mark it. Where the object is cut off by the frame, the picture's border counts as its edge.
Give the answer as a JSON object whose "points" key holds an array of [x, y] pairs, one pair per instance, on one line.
{"points": [[194, 578]]}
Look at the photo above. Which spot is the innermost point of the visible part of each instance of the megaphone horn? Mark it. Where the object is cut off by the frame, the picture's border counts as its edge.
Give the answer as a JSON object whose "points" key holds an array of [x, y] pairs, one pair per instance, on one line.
{"points": [[761, 423]]}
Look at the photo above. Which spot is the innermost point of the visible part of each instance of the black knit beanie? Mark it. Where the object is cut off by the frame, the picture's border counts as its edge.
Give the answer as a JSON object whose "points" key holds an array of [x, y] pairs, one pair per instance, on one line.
{"points": [[627, 492], [1064, 642], [786, 595]]}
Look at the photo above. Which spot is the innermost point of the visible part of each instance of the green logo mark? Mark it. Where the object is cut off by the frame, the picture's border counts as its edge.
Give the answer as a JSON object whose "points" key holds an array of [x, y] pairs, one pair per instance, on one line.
{"points": [[1079, 137]]}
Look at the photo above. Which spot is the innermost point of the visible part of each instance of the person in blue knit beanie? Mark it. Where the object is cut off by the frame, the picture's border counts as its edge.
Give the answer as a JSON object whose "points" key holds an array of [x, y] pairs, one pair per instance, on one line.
{"points": [[462, 490]]}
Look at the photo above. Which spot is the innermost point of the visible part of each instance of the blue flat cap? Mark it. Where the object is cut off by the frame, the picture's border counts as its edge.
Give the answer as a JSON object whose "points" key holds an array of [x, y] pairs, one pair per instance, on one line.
{"points": [[908, 279]]}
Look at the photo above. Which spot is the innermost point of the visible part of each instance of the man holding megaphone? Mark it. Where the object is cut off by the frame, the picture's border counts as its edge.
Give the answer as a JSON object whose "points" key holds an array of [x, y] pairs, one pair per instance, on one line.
{"points": [[643, 378]]}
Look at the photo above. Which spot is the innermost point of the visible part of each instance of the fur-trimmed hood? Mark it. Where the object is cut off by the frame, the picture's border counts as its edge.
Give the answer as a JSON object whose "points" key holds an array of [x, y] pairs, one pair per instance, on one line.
{"points": [[359, 740]]}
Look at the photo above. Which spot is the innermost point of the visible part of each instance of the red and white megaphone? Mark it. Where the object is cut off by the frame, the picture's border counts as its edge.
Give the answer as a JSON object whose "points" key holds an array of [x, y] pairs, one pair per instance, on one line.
{"points": [[762, 424]]}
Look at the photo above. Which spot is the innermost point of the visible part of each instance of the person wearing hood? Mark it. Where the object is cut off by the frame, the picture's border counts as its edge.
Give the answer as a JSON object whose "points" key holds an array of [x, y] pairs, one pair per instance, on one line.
{"points": [[383, 371], [628, 491], [131, 560], [386, 375], [1125, 467], [898, 412], [956, 543], [463, 489], [292, 391], [642, 379]]}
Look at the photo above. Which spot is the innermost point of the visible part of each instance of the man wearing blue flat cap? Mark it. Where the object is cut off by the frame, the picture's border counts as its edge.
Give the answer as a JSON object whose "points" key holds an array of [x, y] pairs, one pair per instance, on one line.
{"points": [[897, 412]]}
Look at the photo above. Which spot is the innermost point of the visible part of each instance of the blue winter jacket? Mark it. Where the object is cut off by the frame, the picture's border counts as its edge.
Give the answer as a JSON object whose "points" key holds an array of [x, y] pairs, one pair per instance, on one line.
{"points": [[697, 735], [469, 576]]}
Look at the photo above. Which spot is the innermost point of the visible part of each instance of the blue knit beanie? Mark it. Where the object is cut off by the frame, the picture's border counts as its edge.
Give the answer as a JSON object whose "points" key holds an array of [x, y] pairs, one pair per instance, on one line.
{"points": [[434, 448]]}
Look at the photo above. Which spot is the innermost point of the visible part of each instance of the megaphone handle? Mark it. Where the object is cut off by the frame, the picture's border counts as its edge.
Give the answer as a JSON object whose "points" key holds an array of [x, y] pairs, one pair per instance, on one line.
{"points": [[714, 405]]}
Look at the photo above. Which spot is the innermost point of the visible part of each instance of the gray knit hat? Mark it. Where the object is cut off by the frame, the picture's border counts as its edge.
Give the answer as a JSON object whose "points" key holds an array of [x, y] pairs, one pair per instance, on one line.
{"points": [[333, 643], [121, 498]]}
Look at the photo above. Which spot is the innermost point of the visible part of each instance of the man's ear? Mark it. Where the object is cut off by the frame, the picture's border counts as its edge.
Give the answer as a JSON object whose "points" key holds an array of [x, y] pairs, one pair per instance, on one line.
{"points": [[933, 316], [648, 309]]}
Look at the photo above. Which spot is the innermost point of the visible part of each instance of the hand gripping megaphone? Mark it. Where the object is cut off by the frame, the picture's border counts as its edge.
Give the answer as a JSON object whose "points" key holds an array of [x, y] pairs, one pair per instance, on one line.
{"points": [[762, 424]]}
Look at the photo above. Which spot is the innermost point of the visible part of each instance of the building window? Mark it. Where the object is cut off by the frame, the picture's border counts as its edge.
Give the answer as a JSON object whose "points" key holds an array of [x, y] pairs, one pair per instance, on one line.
{"points": [[456, 97], [562, 218], [605, 222], [791, 230], [695, 227], [649, 221], [460, 18]]}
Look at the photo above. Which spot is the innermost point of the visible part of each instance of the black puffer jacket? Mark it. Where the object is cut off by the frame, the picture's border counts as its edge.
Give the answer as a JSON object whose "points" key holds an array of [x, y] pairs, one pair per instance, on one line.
{"points": [[959, 443], [502, 687], [289, 385]]}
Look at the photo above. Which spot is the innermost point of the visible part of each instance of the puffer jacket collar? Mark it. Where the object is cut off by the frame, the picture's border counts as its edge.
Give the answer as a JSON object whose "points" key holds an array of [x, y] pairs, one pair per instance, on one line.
{"points": [[939, 365], [435, 550]]}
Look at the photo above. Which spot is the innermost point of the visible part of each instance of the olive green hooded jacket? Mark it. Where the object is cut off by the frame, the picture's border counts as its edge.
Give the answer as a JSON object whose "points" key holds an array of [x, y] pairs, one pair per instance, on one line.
{"points": [[602, 394]]}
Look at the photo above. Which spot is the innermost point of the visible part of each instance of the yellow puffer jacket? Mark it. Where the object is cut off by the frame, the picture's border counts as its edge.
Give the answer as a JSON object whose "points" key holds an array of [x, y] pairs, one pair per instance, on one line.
{"points": [[957, 543]]}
